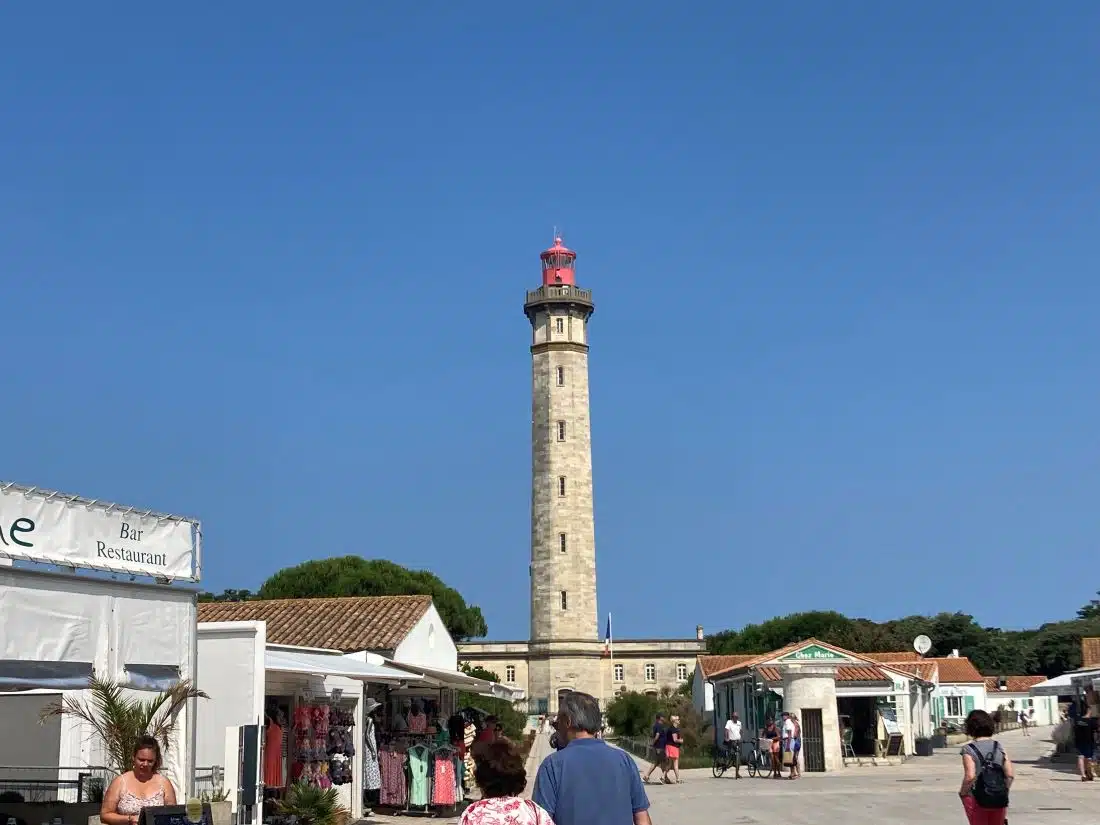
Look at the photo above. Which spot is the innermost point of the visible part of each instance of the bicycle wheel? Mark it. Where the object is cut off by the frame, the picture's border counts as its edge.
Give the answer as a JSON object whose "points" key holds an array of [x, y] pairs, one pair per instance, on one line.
{"points": [[718, 767], [752, 765]]}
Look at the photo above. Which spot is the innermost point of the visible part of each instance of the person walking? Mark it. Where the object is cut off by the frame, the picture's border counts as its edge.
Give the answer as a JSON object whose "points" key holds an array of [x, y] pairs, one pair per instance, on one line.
{"points": [[987, 772], [500, 774], [1023, 721], [588, 782], [795, 744], [732, 735], [658, 739], [771, 733], [674, 742], [1084, 740]]}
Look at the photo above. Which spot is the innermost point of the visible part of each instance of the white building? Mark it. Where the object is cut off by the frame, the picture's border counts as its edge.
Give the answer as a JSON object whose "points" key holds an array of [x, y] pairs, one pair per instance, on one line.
{"points": [[960, 688], [886, 708], [266, 658], [1011, 693]]}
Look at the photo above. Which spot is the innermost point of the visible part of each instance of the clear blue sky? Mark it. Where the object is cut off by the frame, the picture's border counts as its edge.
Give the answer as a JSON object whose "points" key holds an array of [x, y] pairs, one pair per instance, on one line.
{"points": [[265, 265]]}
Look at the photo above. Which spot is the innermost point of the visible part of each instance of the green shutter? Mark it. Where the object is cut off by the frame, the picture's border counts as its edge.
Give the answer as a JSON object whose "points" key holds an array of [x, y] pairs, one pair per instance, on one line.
{"points": [[968, 705], [941, 708]]}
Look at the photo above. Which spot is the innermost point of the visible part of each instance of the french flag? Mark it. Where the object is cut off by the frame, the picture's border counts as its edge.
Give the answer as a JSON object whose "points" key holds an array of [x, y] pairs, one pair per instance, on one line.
{"points": [[607, 638]]}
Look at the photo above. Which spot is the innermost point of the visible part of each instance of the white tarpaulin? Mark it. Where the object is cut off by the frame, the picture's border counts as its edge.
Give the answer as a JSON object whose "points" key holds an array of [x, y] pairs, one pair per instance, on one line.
{"points": [[56, 528], [319, 664], [1058, 686]]}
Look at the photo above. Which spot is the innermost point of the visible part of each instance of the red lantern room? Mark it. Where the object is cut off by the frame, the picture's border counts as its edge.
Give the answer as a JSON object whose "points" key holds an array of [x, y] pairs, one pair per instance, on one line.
{"points": [[558, 264]]}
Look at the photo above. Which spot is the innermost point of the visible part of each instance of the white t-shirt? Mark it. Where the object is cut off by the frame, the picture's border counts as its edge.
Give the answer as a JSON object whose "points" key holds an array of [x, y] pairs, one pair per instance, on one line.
{"points": [[733, 731], [788, 728]]}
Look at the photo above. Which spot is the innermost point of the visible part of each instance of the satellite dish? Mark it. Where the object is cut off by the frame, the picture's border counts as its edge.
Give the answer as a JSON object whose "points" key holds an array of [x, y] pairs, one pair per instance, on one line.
{"points": [[922, 644]]}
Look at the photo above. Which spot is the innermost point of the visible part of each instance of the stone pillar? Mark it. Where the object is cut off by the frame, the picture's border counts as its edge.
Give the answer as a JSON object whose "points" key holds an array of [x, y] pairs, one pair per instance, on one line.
{"points": [[814, 686]]}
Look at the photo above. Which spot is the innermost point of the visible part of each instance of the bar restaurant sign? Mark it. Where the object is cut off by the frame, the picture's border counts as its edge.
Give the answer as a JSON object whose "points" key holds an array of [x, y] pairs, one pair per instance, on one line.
{"points": [[69, 531], [814, 653]]}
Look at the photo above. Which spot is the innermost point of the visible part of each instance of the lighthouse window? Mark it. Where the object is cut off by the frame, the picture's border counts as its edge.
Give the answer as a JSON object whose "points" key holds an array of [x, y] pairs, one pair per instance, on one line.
{"points": [[561, 376], [560, 324], [564, 600], [561, 541], [561, 431], [561, 485]]}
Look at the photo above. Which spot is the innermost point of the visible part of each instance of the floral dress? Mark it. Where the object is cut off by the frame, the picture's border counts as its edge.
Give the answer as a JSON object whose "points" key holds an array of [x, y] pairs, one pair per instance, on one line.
{"points": [[372, 776], [505, 810]]}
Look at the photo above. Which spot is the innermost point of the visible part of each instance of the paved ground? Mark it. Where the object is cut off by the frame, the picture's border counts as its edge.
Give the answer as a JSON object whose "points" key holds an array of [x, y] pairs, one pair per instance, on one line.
{"points": [[921, 792]]}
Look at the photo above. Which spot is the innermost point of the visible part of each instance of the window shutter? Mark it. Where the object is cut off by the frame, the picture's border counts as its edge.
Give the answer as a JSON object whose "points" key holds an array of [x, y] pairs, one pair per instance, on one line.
{"points": [[969, 704], [941, 708]]}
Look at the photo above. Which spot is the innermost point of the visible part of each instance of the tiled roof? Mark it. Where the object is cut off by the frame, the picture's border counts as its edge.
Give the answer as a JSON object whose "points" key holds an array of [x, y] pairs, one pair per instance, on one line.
{"points": [[1013, 684], [349, 624], [1090, 651], [957, 669], [716, 664], [844, 673], [896, 656], [750, 661], [922, 670]]}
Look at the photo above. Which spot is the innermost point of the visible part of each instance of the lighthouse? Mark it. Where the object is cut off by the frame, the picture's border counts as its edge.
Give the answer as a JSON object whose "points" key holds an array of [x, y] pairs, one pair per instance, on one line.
{"points": [[563, 545], [564, 652]]}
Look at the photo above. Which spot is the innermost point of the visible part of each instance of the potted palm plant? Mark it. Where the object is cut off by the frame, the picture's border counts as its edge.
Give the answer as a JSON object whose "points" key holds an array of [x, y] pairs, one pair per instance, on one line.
{"points": [[309, 805]]}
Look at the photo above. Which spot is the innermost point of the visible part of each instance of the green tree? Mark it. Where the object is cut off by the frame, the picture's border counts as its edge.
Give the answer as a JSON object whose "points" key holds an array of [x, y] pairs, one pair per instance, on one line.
{"points": [[1090, 610], [227, 596], [512, 720], [631, 714], [356, 576]]}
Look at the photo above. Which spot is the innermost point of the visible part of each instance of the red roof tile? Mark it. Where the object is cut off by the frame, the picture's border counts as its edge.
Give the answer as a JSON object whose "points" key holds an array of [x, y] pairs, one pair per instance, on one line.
{"points": [[1090, 651], [715, 664], [349, 624], [1014, 684]]}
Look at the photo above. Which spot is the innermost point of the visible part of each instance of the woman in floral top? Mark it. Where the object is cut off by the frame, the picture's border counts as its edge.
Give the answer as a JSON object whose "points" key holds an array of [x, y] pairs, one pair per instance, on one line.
{"points": [[499, 772]]}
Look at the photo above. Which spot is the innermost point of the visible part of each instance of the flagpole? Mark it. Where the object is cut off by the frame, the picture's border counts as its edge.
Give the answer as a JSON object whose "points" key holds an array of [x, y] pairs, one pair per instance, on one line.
{"points": [[611, 653]]}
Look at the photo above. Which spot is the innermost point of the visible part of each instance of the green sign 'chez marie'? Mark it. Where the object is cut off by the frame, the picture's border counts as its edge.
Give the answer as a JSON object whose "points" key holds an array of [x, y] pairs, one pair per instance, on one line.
{"points": [[814, 653]]}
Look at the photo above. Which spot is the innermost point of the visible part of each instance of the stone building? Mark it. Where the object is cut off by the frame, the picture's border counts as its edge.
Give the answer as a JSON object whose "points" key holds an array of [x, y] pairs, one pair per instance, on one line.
{"points": [[565, 651]]}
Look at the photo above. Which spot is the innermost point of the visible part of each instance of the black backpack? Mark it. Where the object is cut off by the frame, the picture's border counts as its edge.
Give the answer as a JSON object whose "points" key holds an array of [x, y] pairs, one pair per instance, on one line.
{"points": [[991, 785]]}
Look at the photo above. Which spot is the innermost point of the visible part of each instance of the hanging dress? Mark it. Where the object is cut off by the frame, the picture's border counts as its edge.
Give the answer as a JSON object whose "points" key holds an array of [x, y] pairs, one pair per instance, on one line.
{"points": [[273, 756], [393, 778], [418, 776], [372, 776], [443, 780]]}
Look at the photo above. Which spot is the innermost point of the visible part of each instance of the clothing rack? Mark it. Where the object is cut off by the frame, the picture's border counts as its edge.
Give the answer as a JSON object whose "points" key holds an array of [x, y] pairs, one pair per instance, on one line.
{"points": [[431, 775]]}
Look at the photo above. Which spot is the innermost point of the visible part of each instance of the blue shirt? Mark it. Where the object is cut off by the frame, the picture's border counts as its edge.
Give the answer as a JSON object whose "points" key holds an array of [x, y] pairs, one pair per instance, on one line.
{"points": [[590, 783], [661, 734]]}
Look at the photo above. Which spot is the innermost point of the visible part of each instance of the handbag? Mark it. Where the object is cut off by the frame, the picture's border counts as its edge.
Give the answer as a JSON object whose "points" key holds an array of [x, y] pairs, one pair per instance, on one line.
{"points": [[788, 757]]}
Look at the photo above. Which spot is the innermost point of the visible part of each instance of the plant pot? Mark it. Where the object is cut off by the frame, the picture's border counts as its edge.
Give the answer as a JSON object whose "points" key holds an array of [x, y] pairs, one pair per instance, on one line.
{"points": [[221, 812]]}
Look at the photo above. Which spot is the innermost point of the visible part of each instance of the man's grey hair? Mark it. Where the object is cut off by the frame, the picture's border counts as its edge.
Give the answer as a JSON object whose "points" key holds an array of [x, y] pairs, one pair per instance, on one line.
{"points": [[581, 712]]}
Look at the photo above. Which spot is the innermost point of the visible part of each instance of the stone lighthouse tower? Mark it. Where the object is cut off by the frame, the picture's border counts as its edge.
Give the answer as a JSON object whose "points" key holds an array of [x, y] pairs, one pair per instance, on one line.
{"points": [[565, 651]]}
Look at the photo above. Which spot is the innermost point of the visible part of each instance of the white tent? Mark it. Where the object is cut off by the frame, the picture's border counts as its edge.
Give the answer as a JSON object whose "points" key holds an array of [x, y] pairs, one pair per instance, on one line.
{"points": [[1058, 686]]}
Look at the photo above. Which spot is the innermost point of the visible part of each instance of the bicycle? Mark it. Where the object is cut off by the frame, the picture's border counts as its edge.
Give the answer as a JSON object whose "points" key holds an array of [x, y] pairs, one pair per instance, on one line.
{"points": [[759, 762], [724, 759]]}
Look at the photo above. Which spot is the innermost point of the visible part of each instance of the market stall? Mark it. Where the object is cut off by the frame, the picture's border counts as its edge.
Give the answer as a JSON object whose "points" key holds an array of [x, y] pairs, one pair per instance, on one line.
{"points": [[280, 714]]}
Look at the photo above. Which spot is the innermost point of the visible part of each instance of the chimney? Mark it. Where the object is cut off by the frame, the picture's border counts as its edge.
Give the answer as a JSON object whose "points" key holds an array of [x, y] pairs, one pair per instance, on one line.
{"points": [[955, 653], [699, 632]]}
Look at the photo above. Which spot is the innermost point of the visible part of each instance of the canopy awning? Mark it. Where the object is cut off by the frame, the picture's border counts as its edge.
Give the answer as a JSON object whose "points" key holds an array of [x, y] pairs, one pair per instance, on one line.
{"points": [[457, 680], [318, 664], [1058, 686], [1085, 679]]}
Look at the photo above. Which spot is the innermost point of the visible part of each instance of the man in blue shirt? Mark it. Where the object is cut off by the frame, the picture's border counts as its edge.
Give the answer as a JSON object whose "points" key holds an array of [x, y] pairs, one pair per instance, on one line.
{"points": [[658, 739], [589, 782]]}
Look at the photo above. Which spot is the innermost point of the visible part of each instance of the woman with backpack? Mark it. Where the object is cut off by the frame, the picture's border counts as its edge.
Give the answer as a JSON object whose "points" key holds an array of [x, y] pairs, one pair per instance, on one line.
{"points": [[987, 772]]}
